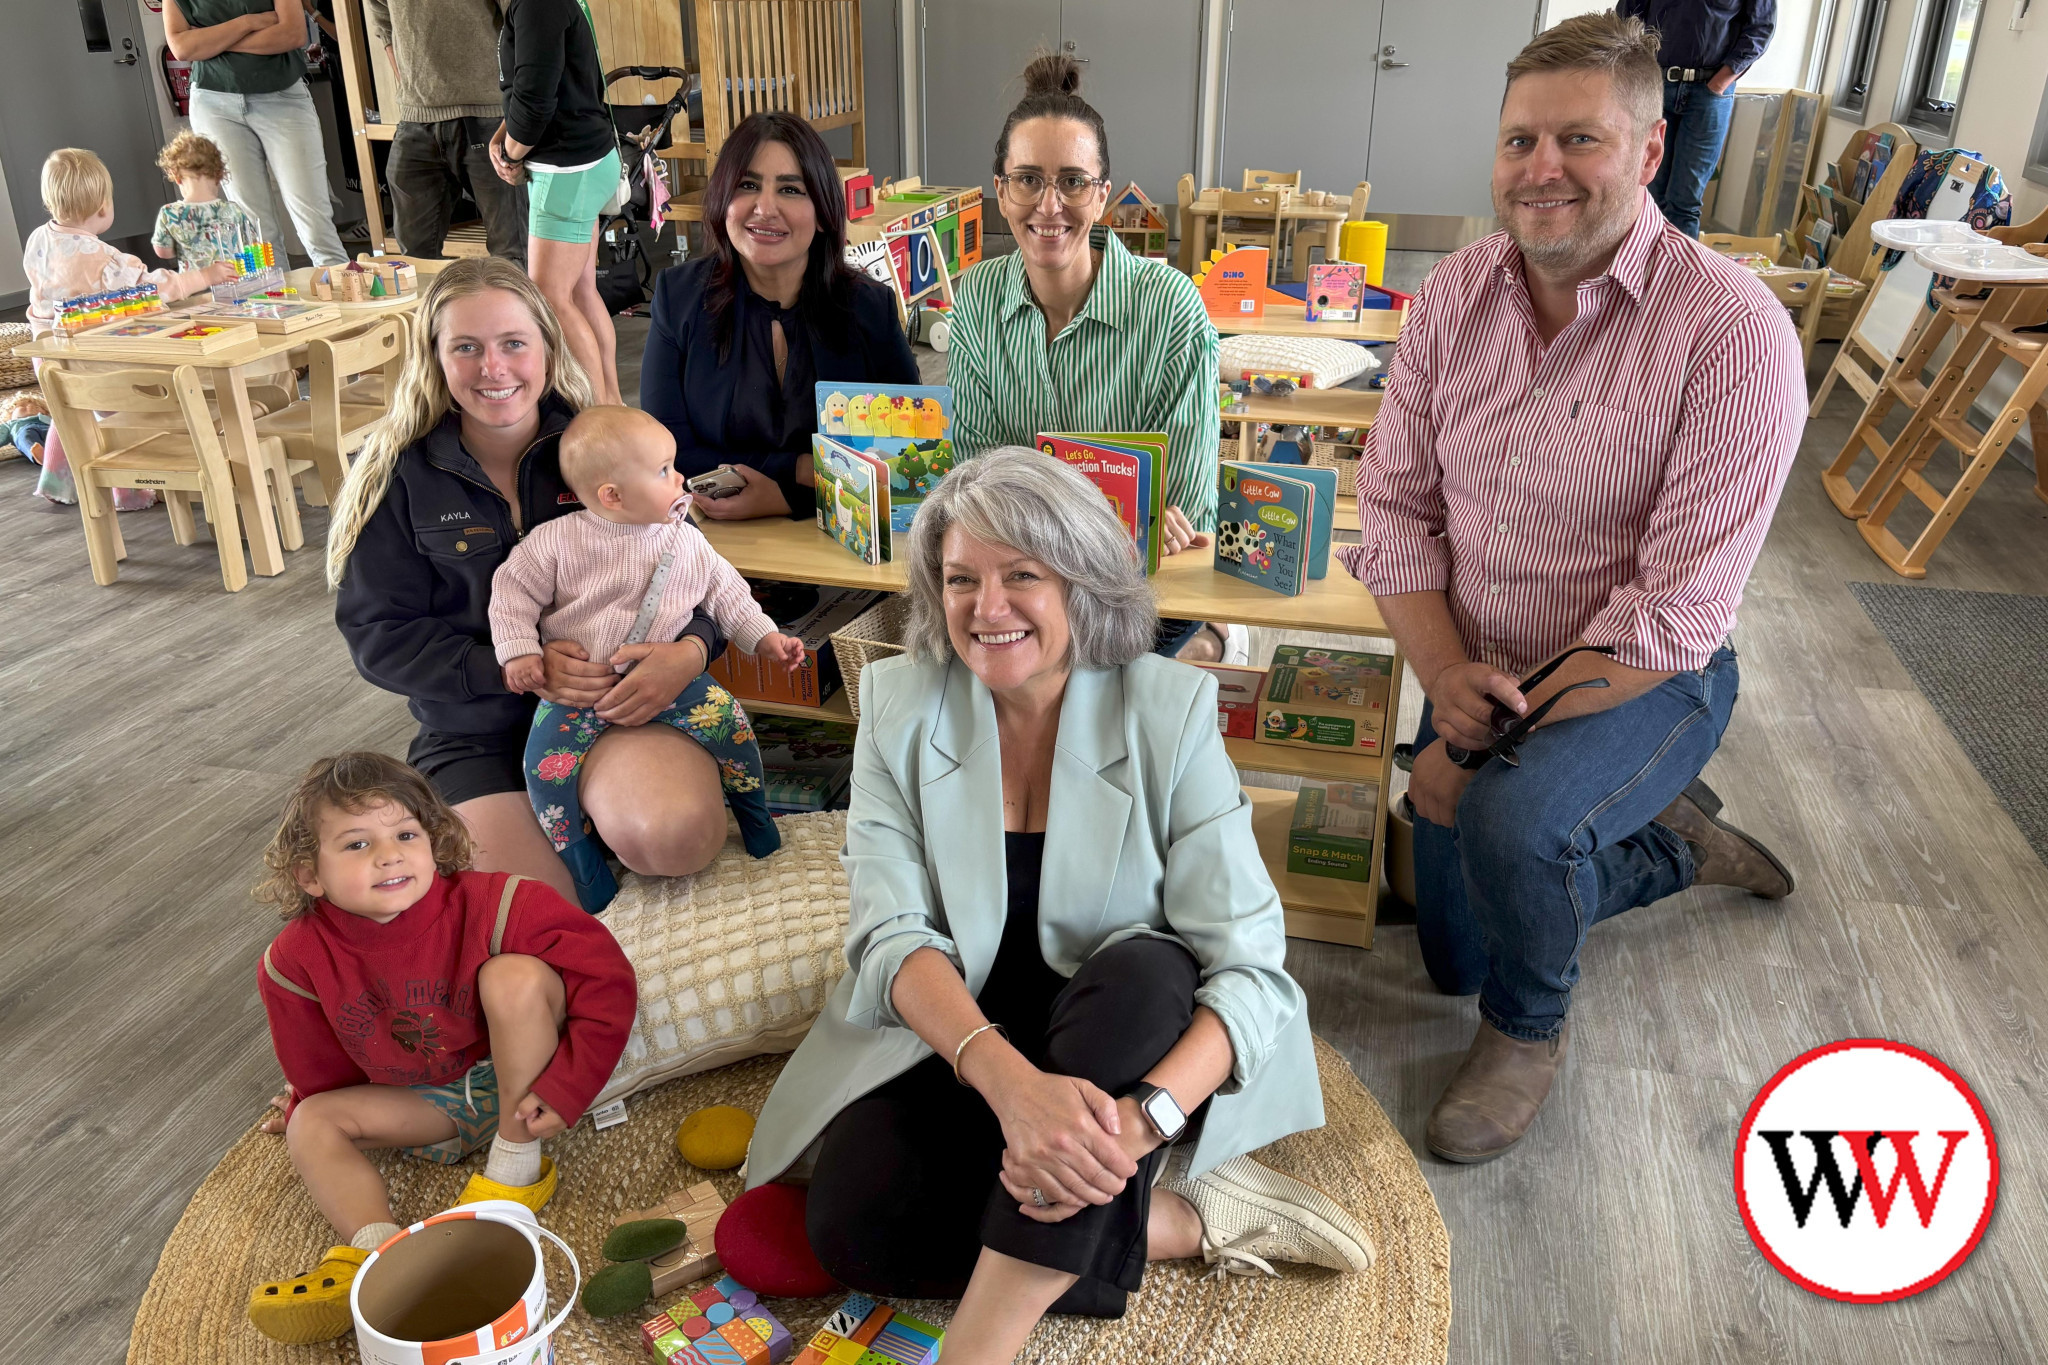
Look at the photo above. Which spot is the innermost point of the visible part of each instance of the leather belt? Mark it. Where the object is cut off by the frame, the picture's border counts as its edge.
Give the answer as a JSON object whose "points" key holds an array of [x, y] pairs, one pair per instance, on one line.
{"points": [[1686, 74]]}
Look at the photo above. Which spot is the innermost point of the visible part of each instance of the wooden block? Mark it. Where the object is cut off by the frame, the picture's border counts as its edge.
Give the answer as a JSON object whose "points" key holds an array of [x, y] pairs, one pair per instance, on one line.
{"points": [[699, 1208]]}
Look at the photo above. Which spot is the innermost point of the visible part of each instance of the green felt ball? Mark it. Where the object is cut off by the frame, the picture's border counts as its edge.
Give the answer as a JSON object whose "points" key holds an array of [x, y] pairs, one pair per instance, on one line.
{"points": [[644, 1240], [715, 1139], [618, 1289]]}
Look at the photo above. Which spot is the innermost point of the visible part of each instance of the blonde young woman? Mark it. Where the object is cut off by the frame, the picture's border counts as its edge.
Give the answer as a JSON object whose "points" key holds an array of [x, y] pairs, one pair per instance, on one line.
{"points": [[466, 463]]}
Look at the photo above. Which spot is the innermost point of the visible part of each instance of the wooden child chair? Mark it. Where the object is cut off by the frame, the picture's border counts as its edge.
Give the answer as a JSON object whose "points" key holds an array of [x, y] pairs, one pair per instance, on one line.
{"points": [[177, 463], [1804, 293], [320, 433], [1252, 218]]}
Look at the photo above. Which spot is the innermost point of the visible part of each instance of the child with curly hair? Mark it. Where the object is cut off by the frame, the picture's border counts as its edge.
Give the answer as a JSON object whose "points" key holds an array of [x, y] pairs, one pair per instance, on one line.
{"points": [[202, 227], [418, 1005]]}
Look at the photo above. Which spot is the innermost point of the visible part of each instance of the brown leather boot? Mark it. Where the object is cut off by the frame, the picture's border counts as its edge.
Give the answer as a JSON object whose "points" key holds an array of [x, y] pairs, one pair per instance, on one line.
{"points": [[1490, 1103], [1722, 854]]}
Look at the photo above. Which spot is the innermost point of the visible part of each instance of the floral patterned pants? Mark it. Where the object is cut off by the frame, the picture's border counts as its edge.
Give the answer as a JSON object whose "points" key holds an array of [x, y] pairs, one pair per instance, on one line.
{"points": [[562, 735]]}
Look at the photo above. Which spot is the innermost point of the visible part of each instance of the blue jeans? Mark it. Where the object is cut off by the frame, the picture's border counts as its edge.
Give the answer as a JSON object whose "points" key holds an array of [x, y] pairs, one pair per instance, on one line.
{"points": [[261, 136], [1695, 126], [1543, 852]]}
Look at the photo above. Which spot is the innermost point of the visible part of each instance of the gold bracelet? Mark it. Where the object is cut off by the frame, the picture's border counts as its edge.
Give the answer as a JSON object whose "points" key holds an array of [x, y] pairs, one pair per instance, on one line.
{"points": [[972, 1035]]}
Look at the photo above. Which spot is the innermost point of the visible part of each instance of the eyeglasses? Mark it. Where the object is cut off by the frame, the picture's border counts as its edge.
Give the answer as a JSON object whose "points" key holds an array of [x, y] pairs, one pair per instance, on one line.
{"points": [[1026, 188], [1509, 729]]}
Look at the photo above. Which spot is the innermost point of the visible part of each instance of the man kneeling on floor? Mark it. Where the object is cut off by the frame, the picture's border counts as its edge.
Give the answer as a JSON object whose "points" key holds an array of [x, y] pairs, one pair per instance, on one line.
{"points": [[1588, 424]]}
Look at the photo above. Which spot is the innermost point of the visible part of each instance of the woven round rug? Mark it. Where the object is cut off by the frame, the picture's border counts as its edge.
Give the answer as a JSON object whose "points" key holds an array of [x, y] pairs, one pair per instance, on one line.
{"points": [[251, 1220]]}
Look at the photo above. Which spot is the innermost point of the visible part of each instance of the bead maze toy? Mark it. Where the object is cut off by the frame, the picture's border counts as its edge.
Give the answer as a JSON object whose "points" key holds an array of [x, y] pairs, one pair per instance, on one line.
{"points": [[721, 1324], [862, 1331], [90, 311]]}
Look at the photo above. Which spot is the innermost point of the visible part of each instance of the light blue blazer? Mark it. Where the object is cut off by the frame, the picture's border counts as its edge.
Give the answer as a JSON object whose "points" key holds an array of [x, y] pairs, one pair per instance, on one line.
{"points": [[1147, 832]]}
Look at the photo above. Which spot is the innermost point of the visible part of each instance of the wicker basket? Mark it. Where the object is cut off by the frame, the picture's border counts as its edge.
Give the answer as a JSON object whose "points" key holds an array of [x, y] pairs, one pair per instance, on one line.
{"points": [[870, 637], [15, 371], [1333, 455]]}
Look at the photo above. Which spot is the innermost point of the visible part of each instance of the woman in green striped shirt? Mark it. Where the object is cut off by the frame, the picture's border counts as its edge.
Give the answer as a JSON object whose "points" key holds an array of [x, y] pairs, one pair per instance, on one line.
{"points": [[1073, 333]]}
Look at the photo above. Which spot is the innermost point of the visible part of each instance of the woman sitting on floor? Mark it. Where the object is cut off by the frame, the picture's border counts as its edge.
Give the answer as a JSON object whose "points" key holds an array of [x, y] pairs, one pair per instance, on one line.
{"points": [[467, 461], [1065, 953], [742, 335]]}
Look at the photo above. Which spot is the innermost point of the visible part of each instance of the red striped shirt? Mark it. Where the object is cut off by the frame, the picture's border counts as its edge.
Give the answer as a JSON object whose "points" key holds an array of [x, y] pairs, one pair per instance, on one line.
{"points": [[1614, 486]]}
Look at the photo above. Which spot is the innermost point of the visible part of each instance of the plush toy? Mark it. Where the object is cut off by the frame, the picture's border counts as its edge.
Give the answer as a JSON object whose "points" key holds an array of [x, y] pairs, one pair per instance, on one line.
{"points": [[715, 1139], [761, 1240], [25, 424]]}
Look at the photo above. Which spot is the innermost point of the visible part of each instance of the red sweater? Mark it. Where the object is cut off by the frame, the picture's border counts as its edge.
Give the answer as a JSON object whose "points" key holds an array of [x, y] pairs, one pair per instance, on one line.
{"points": [[352, 1001]]}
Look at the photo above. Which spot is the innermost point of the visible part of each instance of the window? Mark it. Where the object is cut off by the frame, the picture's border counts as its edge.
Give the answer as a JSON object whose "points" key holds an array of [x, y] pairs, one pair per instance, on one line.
{"points": [[2037, 149], [1941, 60], [1860, 61]]}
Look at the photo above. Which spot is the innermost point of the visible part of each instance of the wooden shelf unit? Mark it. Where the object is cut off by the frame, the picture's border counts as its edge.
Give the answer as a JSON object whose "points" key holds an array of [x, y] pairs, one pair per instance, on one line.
{"points": [[1321, 908]]}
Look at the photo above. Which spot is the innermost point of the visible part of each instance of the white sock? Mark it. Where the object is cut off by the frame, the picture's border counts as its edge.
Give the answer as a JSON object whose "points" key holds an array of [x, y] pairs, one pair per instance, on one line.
{"points": [[513, 1163], [370, 1236]]}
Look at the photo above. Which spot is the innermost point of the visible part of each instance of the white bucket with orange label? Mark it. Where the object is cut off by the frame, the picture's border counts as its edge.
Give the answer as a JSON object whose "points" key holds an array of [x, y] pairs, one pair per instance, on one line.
{"points": [[465, 1287]]}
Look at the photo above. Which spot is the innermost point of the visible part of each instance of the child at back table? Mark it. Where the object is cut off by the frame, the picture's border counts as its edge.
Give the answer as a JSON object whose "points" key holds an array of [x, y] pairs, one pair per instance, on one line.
{"points": [[65, 259], [627, 568], [201, 227], [418, 1005]]}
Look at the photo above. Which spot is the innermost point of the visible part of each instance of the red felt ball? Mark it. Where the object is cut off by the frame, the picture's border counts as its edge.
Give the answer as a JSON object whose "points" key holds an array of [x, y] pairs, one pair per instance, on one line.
{"points": [[762, 1241]]}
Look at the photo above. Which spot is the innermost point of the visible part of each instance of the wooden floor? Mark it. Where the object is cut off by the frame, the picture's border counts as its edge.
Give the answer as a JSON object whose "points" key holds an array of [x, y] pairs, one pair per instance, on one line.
{"points": [[153, 727]]}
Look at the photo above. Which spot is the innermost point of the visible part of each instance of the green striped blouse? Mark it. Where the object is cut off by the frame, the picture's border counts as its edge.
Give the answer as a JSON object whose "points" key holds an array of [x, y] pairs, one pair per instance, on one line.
{"points": [[1139, 356]]}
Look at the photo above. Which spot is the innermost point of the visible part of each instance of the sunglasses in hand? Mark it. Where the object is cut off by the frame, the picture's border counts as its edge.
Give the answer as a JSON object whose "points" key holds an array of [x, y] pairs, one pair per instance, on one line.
{"points": [[1509, 729]]}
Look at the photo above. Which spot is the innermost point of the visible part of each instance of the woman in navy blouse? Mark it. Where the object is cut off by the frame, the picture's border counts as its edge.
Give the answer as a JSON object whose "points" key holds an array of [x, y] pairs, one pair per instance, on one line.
{"points": [[742, 335]]}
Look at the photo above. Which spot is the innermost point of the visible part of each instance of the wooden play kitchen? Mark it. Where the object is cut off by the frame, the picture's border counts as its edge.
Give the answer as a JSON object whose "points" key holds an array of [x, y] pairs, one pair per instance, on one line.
{"points": [[1187, 586]]}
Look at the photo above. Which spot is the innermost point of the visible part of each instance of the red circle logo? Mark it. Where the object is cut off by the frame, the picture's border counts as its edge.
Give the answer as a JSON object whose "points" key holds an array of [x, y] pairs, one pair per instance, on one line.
{"points": [[1866, 1170]]}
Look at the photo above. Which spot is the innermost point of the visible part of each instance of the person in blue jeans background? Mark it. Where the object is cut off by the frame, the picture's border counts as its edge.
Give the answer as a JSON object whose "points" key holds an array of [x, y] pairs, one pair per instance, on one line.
{"points": [[1586, 429], [1704, 45], [249, 95]]}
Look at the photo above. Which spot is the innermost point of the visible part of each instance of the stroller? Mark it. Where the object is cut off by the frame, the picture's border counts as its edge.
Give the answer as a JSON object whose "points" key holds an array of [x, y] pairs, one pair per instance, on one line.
{"points": [[634, 236]]}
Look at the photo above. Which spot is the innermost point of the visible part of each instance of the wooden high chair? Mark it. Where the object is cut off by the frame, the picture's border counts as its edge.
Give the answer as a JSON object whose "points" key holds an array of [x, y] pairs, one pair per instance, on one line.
{"points": [[320, 434], [177, 463], [1993, 337]]}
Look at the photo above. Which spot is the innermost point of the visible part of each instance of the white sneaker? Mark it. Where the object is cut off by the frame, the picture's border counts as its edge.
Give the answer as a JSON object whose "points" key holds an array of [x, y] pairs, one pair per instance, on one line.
{"points": [[1253, 1215], [1237, 645]]}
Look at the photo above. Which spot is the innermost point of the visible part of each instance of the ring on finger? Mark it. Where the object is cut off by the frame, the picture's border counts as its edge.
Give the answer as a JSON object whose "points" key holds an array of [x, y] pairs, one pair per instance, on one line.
{"points": [[1038, 1198]]}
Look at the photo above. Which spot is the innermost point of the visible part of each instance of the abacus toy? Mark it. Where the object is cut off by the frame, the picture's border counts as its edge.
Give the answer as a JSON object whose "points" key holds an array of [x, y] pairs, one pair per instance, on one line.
{"points": [[88, 311]]}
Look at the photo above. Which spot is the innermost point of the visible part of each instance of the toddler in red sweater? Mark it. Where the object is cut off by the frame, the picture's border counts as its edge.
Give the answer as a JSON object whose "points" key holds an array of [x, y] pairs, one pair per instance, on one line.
{"points": [[418, 1005]]}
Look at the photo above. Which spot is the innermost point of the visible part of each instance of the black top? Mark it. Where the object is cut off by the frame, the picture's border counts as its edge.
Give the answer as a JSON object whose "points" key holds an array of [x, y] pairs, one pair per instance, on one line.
{"points": [[1707, 34], [729, 409], [1020, 988], [414, 602], [552, 83]]}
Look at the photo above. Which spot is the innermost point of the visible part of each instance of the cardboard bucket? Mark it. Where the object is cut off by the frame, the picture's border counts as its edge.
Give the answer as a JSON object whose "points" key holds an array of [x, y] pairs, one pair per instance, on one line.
{"points": [[465, 1287]]}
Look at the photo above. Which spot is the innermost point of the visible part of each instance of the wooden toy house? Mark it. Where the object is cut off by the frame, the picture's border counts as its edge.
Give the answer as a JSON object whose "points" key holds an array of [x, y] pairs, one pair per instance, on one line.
{"points": [[1137, 222]]}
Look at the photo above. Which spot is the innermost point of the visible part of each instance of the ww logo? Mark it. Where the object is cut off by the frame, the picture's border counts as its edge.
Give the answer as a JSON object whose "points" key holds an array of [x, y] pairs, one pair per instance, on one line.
{"points": [[1834, 1141]]}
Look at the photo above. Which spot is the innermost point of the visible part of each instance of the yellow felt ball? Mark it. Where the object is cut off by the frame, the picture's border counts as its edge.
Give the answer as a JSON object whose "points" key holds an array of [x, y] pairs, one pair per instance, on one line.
{"points": [[715, 1139]]}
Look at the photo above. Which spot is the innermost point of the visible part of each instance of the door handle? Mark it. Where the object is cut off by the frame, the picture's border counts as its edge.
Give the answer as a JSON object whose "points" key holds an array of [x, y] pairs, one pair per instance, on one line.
{"points": [[127, 60], [1386, 65]]}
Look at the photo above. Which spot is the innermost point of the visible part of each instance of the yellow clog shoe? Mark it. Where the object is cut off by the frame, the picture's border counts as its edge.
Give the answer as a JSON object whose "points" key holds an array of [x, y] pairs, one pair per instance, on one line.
{"points": [[313, 1307], [534, 1196]]}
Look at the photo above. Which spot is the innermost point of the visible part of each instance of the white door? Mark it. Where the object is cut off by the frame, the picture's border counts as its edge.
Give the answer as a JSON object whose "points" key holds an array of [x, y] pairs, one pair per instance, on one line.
{"points": [[1441, 67], [1299, 92], [1142, 62]]}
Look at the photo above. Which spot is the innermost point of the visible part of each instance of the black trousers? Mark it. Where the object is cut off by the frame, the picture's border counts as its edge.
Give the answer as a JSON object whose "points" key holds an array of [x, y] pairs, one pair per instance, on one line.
{"points": [[905, 1194], [431, 164]]}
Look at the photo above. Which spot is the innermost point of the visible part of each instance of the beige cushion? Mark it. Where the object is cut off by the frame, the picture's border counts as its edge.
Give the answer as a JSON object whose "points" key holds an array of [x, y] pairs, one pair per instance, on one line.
{"points": [[1328, 361], [735, 961]]}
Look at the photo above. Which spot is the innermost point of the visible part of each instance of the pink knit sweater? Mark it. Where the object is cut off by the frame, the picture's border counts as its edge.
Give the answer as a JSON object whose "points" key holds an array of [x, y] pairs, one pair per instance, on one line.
{"points": [[582, 578]]}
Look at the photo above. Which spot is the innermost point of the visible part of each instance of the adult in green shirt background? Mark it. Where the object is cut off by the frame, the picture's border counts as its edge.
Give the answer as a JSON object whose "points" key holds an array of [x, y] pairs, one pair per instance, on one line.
{"points": [[249, 96], [1071, 332]]}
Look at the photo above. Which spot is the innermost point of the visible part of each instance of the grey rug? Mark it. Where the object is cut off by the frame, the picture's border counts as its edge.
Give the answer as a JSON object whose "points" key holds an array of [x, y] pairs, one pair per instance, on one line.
{"points": [[1982, 659]]}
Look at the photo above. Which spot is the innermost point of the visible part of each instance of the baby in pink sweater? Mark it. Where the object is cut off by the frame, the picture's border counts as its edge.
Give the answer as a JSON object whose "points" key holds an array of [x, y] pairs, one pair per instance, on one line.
{"points": [[629, 568], [591, 576]]}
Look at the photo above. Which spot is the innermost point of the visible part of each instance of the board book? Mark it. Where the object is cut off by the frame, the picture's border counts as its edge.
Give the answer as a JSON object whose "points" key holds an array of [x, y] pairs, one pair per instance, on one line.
{"points": [[1266, 524], [909, 427], [853, 498], [1130, 469], [1336, 291]]}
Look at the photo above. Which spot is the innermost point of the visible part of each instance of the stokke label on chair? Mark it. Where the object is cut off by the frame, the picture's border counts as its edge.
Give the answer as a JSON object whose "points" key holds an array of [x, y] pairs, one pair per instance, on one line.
{"points": [[465, 1287]]}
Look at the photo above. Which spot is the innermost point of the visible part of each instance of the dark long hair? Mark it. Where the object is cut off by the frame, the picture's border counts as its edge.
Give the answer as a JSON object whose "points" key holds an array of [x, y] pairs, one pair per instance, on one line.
{"points": [[827, 298], [1052, 89]]}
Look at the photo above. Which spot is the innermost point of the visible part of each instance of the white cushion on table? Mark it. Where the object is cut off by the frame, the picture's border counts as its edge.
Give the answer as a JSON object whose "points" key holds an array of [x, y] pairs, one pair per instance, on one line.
{"points": [[1328, 361], [734, 961]]}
